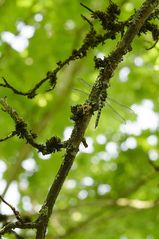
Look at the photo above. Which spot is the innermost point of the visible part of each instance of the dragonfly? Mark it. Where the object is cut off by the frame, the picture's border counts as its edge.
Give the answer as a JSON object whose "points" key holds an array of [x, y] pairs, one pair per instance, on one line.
{"points": [[110, 102]]}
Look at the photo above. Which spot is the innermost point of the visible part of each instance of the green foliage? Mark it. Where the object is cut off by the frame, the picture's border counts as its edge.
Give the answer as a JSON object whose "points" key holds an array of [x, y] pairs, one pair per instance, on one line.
{"points": [[112, 190]]}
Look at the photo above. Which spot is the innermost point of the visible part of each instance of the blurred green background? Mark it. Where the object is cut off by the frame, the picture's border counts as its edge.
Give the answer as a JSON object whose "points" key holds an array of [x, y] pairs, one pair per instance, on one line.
{"points": [[112, 190]]}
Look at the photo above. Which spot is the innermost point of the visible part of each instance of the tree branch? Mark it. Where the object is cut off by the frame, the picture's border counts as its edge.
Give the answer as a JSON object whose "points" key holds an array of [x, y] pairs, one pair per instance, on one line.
{"points": [[91, 40], [8, 136], [21, 130], [82, 114], [76, 54], [8, 227], [16, 213]]}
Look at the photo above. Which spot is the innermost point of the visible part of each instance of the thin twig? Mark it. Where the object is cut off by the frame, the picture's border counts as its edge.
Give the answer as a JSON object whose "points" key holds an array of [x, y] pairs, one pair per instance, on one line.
{"points": [[21, 130], [151, 47], [82, 114], [10, 226], [83, 5], [87, 20], [16, 213], [76, 54], [8, 136]]}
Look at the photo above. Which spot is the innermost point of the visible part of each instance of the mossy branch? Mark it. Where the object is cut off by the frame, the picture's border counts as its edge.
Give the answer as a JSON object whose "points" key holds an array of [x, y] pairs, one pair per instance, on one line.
{"points": [[111, 26], [81, 114], [21, 130]]}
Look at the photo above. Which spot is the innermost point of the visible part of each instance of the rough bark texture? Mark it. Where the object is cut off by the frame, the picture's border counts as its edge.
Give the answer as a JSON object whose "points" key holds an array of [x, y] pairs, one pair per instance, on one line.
{"points": [[81, 114], [81, 124]]}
